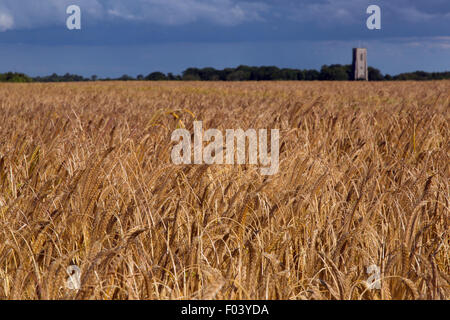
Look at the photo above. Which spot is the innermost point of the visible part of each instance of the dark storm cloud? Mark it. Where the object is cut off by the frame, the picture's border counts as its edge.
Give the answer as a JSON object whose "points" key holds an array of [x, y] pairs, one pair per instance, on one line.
{"points": [[221, 33]]}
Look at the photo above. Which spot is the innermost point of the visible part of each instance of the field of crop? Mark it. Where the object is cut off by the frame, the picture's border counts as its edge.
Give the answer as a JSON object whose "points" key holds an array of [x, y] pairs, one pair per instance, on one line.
{"points": [[86, 179]]}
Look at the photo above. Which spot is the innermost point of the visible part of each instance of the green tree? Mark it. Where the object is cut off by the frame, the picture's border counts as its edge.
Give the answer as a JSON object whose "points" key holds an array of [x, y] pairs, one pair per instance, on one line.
{"points": [[238, 75], [126, 77], [312, 75], [192, 74], [334, 72], [14, 77], [375, 75], [156, 76]]}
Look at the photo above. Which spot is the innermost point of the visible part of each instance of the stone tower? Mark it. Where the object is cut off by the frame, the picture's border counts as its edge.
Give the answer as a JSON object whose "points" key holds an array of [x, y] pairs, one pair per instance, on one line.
{"points": [[360, 69]]}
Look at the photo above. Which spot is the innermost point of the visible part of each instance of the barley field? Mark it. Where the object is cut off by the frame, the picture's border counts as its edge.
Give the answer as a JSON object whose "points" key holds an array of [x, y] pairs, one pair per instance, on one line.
{"points": [[86, 180]]}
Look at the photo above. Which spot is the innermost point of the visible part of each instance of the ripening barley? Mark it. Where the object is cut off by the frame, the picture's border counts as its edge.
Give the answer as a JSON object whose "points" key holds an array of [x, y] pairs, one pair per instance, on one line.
{"points": [[86, 180]]}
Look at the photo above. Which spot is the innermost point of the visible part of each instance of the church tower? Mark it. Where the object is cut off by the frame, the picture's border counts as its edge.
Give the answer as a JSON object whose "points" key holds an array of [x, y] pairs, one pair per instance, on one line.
{"points": [[360, 68]]}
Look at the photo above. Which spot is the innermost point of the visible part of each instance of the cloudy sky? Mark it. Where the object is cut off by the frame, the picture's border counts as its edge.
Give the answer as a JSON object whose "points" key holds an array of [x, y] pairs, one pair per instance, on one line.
{"points": [[140, 36]]}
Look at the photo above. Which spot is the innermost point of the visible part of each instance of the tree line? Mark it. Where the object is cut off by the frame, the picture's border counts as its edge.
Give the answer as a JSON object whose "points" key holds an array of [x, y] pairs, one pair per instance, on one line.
{"points": [[14, 77], [335, 72]]}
